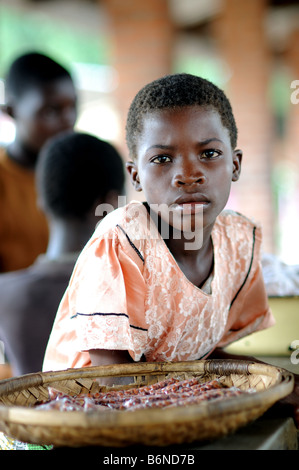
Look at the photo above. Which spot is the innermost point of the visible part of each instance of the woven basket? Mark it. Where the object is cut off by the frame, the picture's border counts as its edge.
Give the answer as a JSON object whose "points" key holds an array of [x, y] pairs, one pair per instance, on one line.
{"points": [[151, 427]]}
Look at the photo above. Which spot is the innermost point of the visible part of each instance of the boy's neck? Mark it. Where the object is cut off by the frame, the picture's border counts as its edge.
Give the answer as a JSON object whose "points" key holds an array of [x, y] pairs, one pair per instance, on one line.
{"points": [[195, 259], [67, 237], [196, 264], [22, 155]]}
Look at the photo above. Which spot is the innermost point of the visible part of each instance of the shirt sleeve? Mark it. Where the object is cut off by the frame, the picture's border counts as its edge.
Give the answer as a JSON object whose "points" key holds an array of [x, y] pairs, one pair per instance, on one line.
{"points": [[249, 310], [107, 297]]}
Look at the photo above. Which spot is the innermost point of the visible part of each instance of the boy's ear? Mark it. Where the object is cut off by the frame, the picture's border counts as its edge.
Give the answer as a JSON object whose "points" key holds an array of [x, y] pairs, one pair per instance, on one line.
{"points": [[237, 161], [133, 172]]}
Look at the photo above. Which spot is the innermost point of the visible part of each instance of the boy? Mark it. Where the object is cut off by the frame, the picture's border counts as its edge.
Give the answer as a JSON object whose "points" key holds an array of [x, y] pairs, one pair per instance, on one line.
{"points": [[41, 98], [75, 173], [138, 293]]}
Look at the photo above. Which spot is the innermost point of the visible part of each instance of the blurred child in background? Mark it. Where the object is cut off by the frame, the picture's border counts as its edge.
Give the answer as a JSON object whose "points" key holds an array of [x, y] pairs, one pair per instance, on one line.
{"points": [[76, 173], [42, 100]]}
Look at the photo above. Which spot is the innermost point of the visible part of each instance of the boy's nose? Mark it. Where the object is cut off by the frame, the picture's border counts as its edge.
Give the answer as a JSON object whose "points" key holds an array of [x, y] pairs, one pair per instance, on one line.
{"points": [[189, 175], [180, 180]]}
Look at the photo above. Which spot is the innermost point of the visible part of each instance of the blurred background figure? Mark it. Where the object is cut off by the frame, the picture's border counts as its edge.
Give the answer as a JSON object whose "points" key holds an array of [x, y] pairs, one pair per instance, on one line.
{"points": [[41, 99], [76, 172]]}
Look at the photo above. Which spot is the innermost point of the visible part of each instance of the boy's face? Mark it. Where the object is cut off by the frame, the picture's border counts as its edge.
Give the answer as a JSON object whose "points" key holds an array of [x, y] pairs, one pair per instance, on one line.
{"points": [[43, 112], [185, 160]]}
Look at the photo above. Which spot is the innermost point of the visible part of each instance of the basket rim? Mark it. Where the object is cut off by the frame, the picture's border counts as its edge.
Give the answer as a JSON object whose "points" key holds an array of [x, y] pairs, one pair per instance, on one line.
{"points": [[83, 419], [217, 366]]}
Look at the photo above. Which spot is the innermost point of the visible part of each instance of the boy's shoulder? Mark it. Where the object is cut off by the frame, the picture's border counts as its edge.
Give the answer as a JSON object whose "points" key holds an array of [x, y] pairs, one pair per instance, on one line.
{"points": [[3, 157], [229, 216], [126, 217], [9, 168], [3, 168], [232, 221]]}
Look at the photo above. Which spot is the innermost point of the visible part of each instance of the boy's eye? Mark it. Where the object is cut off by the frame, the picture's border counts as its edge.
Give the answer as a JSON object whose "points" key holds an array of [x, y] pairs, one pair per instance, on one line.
{"points": [[161, 159], [210, 154]]}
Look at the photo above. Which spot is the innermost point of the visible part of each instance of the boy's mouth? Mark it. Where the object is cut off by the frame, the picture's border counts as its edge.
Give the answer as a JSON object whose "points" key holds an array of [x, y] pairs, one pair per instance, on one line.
{"points": [[191, 207], [191, 204]]}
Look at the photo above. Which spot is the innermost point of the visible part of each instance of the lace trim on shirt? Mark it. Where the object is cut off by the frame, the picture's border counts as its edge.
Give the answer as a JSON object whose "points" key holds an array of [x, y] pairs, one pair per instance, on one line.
{"points": [[108, 314]]}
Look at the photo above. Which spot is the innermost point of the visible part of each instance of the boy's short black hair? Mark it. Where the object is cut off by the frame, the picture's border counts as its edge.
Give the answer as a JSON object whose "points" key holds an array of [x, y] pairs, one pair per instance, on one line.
{"points": [[32, 70], [175, 91], [74, 171]]}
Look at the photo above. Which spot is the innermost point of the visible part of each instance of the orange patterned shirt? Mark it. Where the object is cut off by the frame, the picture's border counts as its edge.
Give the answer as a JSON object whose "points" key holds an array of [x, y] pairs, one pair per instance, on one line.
{"points": [[128, 293]]}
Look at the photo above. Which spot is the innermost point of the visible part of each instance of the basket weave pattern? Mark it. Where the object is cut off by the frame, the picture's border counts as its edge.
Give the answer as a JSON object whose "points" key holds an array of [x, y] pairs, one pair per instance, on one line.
{"points": [[153, 427]]}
